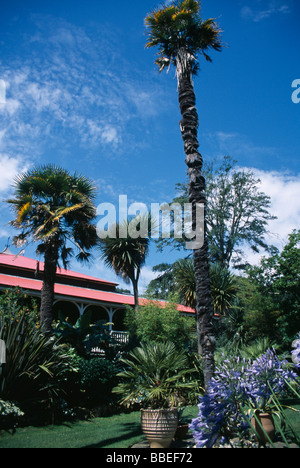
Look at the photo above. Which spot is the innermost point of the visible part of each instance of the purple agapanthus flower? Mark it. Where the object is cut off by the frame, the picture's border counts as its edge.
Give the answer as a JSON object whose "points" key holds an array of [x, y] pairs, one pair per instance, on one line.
{"points": [[296, 351], [236, 384], [267, 375], [218, 406]]}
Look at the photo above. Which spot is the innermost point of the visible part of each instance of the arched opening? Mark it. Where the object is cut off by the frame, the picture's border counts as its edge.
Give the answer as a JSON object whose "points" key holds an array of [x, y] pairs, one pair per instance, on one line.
{"points": [[67, 311], [118, 320], [98, 314]]}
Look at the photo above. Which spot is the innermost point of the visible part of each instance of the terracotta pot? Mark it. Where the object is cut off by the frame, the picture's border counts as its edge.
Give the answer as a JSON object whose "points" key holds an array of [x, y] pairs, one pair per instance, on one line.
{"points": [[159, 426], [267, 422]]}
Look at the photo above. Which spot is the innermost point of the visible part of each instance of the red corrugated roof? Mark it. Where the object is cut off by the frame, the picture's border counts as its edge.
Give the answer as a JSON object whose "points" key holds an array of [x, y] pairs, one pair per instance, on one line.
{"points": [[19, 261], [81, 293]]}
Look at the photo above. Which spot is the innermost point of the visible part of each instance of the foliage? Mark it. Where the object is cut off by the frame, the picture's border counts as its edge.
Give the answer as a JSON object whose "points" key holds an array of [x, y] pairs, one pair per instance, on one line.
{"points": [[84, 336], [34, 362], [278, 279], [153, 322], [181, 26], [261, 315], [50, 202], [223, 288], [10, 414], [257, 348], [55, 209], [14, 303], [124, 252], [156, 375], [185, 281], [237, 385], [162, 285], [93, 382], [180, 276]]}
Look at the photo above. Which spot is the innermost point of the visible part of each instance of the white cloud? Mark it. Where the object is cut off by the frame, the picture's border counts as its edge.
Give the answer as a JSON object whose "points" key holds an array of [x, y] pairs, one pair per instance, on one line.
{"points": [[284, 190], [10, 167], [264, 9], [70, 84]]}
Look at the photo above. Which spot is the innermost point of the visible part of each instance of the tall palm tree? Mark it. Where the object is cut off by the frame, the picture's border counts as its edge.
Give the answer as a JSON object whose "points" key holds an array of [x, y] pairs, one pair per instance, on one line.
{"points": [[180, 35], [125, 254], [55, 209]]}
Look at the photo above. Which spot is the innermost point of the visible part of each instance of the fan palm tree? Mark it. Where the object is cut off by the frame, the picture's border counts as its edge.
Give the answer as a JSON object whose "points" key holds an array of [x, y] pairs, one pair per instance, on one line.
{"points": [[156, 374], [181, 35], [223, 288], [55, 209], [126, 255], [184, 276]]}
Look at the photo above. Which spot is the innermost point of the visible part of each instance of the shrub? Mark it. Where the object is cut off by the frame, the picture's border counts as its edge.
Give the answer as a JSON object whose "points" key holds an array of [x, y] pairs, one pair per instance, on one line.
{"points": [[152, 322], [84, 336], [14, 303], [97, 377], [10, 414], [35, 363]]}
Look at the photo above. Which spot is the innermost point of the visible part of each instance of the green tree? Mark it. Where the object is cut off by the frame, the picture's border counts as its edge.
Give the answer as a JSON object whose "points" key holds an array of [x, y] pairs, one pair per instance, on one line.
{"points": [[55, 209], [278, 277], [161, 286], [125, 252], [181, 35], [259, 312]]}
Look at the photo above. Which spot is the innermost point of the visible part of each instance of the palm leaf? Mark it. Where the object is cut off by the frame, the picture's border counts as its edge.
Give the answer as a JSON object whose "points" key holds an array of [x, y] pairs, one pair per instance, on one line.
{"points": [[62, 211]]}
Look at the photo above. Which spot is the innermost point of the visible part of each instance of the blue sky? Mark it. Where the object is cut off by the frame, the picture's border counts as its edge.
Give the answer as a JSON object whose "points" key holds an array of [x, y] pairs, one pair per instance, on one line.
{"points": [[82, 91]]}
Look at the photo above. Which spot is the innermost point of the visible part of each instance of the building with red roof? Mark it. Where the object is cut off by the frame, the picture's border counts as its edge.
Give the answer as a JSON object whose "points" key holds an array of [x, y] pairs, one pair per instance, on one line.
{"points": [[75, 293]]}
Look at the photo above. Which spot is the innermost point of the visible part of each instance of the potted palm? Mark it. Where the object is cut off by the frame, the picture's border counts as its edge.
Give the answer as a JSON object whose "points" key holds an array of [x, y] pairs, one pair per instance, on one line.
{"points": [[156, 377]]}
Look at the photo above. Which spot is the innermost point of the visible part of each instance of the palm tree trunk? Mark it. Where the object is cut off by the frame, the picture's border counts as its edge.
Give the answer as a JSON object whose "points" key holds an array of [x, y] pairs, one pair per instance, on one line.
{"points": [[194, 161], [135, 281], [47, 295]]}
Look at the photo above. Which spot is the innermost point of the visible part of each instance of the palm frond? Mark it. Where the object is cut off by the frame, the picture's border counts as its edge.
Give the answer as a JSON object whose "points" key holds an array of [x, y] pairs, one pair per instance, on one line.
{"points": [[62, 211], [179, 27]]}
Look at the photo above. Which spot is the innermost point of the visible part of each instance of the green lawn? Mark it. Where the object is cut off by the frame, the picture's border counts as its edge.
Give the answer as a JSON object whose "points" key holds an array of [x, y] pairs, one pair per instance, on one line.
{"points": [[120, 431]]}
